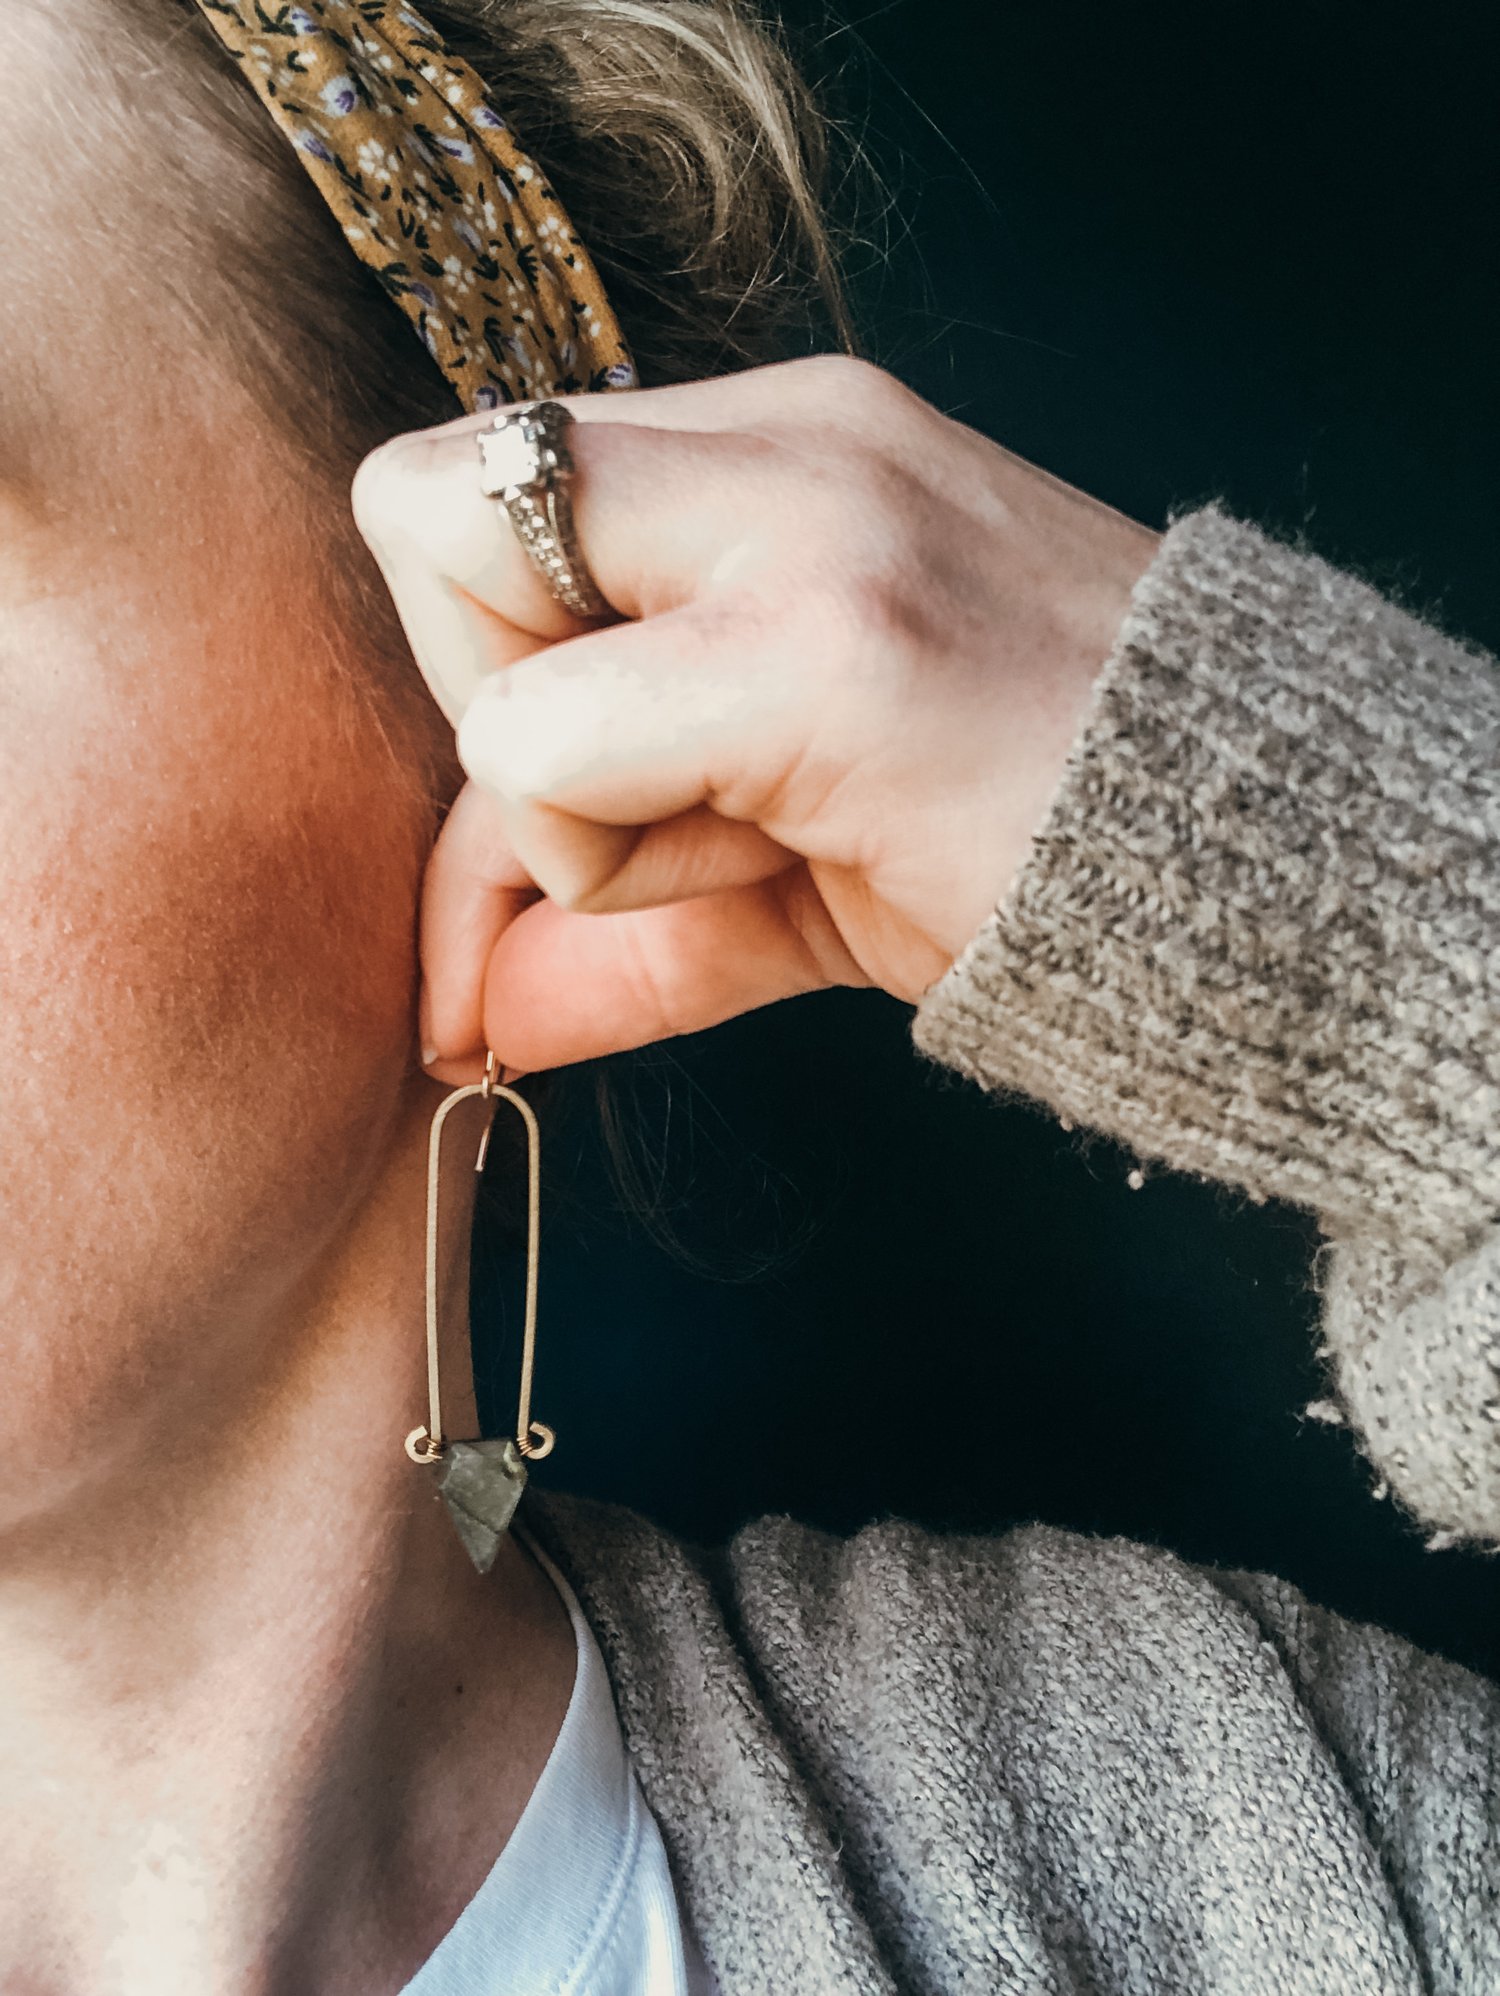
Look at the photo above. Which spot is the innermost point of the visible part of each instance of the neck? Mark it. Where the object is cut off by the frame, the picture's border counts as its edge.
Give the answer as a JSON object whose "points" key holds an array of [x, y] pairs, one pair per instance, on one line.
{"points": [[264, 1727]]}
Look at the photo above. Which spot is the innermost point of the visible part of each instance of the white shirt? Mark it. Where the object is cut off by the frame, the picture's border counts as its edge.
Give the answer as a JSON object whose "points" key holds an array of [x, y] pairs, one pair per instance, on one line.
{"points": [[580, 1901]]}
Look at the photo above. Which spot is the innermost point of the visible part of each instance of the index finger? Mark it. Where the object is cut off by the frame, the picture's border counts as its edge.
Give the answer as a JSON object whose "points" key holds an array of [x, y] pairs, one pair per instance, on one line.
{"points": [[659, 510], [650, 506]]}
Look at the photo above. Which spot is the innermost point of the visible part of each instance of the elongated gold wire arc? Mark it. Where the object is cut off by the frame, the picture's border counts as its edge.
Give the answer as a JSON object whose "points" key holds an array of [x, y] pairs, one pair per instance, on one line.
{"points": [[533, 1438]]}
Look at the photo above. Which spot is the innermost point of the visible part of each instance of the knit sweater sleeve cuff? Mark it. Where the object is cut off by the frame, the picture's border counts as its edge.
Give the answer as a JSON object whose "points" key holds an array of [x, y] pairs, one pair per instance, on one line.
{"points": [[1258, 934]]}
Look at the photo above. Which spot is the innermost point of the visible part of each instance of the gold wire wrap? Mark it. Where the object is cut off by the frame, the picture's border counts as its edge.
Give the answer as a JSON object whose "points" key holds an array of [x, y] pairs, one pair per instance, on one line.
{"points": [[534, 1439]]}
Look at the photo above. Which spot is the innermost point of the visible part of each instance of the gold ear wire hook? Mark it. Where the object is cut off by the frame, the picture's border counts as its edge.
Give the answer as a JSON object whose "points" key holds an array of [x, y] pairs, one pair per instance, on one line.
{"points": [[534, 1439]]}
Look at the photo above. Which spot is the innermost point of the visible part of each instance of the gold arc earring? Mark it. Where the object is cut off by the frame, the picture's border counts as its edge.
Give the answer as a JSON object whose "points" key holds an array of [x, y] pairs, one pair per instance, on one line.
{"points": [[481, 1481]]}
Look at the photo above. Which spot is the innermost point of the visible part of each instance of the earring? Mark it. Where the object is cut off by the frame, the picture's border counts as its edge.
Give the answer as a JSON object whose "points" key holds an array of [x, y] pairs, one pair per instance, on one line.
{"points": [[481, 1481]]}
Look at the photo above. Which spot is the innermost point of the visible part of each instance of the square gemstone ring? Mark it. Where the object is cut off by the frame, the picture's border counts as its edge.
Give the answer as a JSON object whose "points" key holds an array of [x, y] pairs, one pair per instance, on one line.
{"points": [[522, 448]]}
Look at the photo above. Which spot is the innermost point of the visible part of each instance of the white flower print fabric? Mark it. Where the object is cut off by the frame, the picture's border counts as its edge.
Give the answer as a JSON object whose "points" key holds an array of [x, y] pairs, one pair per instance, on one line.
{"points": [[433, 193]]}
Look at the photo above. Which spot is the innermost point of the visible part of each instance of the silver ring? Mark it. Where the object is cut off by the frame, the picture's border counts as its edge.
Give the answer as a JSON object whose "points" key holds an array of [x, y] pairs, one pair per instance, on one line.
{"points": [[528, 467]]}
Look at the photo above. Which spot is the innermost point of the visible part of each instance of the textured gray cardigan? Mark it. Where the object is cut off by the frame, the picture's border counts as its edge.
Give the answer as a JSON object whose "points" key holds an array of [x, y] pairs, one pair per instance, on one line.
{"points": [[1258, 938]]}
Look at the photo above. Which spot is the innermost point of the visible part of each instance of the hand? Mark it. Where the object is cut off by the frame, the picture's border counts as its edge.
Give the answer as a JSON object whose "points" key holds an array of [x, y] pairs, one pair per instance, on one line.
{"points": [[859, 643]]}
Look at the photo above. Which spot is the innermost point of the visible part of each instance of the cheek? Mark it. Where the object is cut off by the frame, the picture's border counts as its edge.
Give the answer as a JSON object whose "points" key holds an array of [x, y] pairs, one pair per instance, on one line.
{"points": [[207, 968]]}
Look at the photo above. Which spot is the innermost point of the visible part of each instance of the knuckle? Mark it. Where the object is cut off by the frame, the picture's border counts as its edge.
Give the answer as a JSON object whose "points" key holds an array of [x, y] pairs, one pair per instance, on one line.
{"points": [[493, 750], [862, 535], [861, 605], [524, 732], [377, 491], [862, 611], [847, 382]]}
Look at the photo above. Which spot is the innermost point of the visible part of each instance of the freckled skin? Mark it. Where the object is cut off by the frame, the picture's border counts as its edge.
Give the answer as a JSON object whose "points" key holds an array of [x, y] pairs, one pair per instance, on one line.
{"points": [[206, 973], [229, 1606]]}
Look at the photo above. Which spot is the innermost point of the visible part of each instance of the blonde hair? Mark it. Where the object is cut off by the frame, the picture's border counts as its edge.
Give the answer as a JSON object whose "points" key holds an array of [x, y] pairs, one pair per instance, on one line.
{"points": [[680, 135], [682, 139]]}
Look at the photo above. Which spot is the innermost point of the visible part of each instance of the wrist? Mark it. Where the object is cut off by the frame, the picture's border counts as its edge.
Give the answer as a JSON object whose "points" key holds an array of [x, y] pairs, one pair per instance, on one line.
{"points": [[1088, 566]]}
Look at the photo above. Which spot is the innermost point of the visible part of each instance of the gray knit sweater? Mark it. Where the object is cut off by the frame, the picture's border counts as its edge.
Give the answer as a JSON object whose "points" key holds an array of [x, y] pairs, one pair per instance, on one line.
{"points": [[1259, 939]]}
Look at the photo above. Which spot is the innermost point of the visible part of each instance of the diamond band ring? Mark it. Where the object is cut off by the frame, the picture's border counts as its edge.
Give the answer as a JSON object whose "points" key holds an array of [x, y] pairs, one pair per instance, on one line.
{"points": [[527, 466]]}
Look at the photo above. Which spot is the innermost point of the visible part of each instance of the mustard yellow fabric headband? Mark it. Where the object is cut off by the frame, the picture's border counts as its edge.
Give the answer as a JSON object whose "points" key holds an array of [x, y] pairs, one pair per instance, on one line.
{"points": [[433, 193]]}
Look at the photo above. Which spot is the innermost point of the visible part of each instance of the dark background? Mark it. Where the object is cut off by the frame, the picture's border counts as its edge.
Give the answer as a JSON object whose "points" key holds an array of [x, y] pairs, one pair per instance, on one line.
{"points": [[1170, 254]]}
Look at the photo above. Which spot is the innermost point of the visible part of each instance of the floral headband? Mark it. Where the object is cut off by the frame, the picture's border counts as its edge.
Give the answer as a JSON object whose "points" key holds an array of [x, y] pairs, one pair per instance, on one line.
{"points": [[433, 194]]}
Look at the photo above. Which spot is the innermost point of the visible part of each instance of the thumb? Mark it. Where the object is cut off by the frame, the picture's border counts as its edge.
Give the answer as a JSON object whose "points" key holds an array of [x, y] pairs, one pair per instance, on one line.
{"points": [[543, 986], [562, 988]]}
